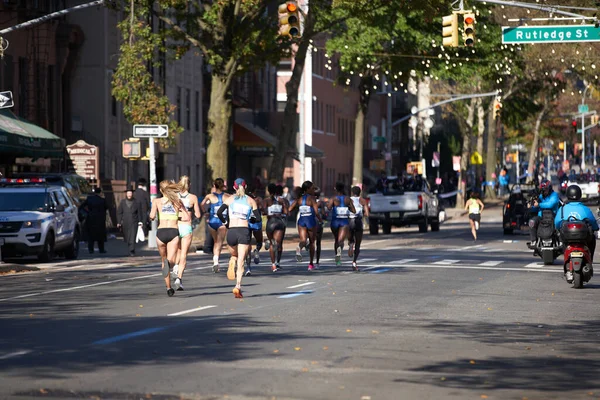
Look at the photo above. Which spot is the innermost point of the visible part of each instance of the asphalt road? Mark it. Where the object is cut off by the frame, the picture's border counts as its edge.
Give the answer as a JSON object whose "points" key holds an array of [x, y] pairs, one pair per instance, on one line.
{"points": [[431, 316]]}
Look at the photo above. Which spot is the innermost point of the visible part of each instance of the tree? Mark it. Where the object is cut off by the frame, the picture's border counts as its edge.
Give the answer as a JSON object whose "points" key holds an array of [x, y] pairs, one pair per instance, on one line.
{"points": [[234, 36]]}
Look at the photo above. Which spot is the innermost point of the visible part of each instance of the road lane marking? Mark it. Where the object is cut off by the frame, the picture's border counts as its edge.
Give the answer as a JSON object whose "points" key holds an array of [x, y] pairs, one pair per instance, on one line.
{"points": [[380, 271], [491, 263], [403, 261], [462, 266], [446, 262], [535, 265], [466, 248], [190, 311], [126, 336], [289, 296], [365, 244], [300, 285], [14, 354]]}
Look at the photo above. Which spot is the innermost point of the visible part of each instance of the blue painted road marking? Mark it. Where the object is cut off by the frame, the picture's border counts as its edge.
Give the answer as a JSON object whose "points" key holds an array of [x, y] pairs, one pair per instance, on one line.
{"points": [[288, 296], [126, 336], [379, 271]]}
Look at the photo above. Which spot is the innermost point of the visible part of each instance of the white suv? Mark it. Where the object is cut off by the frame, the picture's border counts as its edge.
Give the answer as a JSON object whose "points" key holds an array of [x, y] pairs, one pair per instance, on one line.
{"points": [[37, 220]]}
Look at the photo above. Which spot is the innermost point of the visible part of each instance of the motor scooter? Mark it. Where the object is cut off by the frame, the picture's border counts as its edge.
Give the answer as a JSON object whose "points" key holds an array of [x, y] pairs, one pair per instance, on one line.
{"points": [[578, 266]]}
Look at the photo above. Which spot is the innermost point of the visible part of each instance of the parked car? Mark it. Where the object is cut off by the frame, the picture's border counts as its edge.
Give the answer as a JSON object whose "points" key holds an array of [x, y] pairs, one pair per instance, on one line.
{"points": [[77, 186], [590, 189], [37, 219], [403, 203]]}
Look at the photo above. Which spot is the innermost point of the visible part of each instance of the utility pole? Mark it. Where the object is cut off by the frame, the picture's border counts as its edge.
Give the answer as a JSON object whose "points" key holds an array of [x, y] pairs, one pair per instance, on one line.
{"points": [[388, 126], [153, 192]]}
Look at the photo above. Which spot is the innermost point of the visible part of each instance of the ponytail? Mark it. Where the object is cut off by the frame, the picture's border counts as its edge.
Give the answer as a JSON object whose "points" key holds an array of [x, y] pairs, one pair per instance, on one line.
{"points": [[240, 192]]}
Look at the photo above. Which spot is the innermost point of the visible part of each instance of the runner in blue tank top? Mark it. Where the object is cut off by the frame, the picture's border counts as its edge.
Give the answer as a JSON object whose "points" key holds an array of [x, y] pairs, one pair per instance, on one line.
{"points": [[340, 207], [307, 222], [216, 227]]}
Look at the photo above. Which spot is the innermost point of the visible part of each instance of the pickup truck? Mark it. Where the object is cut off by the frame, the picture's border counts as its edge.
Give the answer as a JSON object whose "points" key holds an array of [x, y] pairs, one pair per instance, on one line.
{"points": [[403, 204], [590, 190]]}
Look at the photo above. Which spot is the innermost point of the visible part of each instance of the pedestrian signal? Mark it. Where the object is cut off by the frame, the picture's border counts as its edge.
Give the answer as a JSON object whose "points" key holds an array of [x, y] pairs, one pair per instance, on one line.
{"points": [[450, 30], [469, 29], [289, 20], [132, 149], [594, 120]]}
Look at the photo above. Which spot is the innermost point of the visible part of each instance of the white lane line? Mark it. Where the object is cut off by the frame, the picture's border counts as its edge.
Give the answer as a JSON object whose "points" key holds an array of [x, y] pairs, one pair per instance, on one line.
{"points": [[535, 265], [300, 285], [446, 262], [491, 263], [365, 244], [83, 286], [478, 267], [14, 354], [469, 247], [190, 311], [403, 261]]}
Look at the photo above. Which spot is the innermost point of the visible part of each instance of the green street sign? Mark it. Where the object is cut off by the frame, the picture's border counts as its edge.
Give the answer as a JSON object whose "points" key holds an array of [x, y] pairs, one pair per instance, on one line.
{"points": [[583, 108], [550, 34], [379, 139]]}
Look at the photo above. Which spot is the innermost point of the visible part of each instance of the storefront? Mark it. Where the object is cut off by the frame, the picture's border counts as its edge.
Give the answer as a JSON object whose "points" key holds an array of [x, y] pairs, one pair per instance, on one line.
{"points": [[26, 147]]}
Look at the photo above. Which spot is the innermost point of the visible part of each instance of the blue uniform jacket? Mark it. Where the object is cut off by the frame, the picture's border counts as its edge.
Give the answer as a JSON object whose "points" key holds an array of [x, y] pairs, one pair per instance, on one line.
{"points": [[552, 202], [577, 210]]}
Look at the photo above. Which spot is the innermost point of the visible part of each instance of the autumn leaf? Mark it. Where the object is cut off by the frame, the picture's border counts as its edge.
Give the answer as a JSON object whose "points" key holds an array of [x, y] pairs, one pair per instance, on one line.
{"points": [[297, 348]]}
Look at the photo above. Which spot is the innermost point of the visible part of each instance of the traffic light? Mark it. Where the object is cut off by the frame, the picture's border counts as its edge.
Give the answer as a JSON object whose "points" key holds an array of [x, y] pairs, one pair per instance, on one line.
{"points": [[561, 145], [450, 30], [289, 20], [132, 148], [497, 107], [594, 120], [469, 29]]}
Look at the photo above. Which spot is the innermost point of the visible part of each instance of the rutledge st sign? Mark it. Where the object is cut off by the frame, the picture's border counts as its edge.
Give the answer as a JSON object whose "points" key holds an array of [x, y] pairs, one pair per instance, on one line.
{"points": [[550, 34]]}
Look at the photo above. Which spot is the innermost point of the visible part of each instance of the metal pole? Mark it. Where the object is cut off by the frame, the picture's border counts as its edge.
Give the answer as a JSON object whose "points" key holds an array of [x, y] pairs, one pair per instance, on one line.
{"points": [[595, 147], [50, 16], [549, 9], [565, 151], [388, 125], [440, 160], [301, 137], [582, 138], [518, 166], [153, 192]]}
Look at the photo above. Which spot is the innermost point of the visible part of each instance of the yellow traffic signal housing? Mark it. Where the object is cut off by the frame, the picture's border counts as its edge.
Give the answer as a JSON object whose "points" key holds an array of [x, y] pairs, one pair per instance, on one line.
{"points": [[595, 120], [469, 29], [289, 20], [132, 148], [561, 145], [497, 108], [450, 30]]}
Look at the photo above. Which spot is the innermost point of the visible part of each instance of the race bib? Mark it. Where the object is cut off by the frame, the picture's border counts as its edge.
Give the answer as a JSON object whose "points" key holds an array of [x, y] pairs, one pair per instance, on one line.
{"points": [[342, 212], [305, 211], [275, 209], [240, 211]]}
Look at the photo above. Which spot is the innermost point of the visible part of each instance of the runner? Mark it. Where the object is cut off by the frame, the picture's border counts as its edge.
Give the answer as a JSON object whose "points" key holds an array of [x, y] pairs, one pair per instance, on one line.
{"points": [[256, 229], [475, 207], [276, 209], [307, 221], [322, 207], [168, 208], [356, 225], [216, 228], [242, 210], [340, 206], [190, 202]]}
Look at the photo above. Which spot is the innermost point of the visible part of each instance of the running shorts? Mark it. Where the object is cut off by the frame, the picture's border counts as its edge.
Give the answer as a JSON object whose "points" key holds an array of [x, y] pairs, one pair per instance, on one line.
{"points": [[238, 235], [475, 217], [165, 235], [275, 224]]}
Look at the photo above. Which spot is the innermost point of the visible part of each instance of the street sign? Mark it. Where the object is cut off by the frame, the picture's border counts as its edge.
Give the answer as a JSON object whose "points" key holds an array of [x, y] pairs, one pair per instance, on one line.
{"points": [[550, 34], [150, 131], [83, 159], [380, 139], [435, 160], [6, 99], [476, 158], [583, 108]]}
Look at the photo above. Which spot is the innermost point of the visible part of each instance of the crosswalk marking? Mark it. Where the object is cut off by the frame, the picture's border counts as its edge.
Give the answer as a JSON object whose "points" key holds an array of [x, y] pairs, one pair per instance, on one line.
{"points": [[446, 262], [491, 263], [403, 261], [535, 265]]}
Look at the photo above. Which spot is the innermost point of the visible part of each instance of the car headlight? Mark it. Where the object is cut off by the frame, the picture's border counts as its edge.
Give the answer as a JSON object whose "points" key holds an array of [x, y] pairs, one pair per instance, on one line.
{"points": [[32, 224]]}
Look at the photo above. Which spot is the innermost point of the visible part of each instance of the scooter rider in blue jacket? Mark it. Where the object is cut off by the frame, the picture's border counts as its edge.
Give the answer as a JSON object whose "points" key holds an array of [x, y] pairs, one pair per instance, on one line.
{"points": [[576, 209], [548, 200]]}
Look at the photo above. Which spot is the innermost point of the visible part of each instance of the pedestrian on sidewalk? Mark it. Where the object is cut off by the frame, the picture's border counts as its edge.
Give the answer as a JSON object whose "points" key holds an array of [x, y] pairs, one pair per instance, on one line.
{"points": [[143, 199], [475, 207], [128, 219], [96, 207]]}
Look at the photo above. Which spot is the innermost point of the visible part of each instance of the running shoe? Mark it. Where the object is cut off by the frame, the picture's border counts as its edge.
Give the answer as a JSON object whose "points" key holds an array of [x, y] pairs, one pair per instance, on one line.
{"points": [[311, 267], [354, 266], [175, 270], [338, 256], [351, 250], [237, 292], [248, 272], [278, 266], [256, 256], [170, 292], [317, 266], [178, 284], [298, 254], [231, 268], [274, 268]]}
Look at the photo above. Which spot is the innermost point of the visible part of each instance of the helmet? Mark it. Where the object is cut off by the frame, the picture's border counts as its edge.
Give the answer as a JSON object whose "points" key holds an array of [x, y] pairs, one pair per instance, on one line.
{"points": [[545, 186], [574, 193]]}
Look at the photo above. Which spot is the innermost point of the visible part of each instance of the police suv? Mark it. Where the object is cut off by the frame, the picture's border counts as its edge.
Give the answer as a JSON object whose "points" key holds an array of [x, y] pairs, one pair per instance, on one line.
{"points": [[37, 219]]}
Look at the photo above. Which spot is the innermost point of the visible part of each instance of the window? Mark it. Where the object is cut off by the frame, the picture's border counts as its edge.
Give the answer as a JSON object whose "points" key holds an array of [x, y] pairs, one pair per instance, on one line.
{"points": [[188, 107], [197, 113], [178, 105], [61, 199]]}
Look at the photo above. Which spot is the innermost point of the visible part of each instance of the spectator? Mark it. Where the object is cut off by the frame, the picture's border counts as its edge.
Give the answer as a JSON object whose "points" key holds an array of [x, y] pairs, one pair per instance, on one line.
{"points": [[128, 218], [96, 207], [143, 199]]}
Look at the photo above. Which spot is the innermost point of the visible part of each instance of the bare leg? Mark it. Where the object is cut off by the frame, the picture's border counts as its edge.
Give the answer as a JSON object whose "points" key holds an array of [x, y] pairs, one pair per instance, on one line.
{"points": [[280, 246], [473, 230], [303, 232], [319, 237], [185, 242], [358, 236], [270, 237], [243, 250], [162, 250], [312, 234], [342, 234]]}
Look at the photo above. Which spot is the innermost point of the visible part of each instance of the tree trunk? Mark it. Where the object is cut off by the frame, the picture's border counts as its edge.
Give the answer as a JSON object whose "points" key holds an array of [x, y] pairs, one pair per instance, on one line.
{"points": [[364, 89], [287, 133], [480, 134], [490, 157], [536, 139], [219, 122], [467, 130]]}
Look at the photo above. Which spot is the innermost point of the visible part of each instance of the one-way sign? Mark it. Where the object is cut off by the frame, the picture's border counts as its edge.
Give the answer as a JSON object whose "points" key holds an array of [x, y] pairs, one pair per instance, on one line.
{"points": [[148, 131], [6, 99]]}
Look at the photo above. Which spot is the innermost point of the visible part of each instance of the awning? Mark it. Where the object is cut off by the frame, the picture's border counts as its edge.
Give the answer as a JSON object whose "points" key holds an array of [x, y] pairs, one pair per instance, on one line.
{"points": [[249, 138], [21, 138]]}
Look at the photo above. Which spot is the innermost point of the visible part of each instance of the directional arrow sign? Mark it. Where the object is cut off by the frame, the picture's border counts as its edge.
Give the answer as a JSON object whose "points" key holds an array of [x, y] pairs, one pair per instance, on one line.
{"points": [[6, 100], [148, 131]]}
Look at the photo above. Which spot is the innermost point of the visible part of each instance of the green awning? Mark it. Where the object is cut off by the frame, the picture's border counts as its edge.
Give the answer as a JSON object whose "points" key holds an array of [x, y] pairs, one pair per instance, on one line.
{"points": [[21, 138]]}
